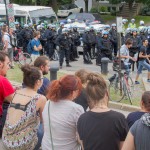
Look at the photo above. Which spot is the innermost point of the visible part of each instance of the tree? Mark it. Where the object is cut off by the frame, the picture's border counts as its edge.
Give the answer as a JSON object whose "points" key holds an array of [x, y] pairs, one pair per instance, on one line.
{"points": [[86, 5]]}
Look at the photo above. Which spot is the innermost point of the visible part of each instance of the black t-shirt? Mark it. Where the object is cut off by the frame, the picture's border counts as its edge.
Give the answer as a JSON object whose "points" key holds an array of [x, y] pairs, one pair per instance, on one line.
{"points": [[82, 100], [143, 49], [102, 131], [134, 116]]}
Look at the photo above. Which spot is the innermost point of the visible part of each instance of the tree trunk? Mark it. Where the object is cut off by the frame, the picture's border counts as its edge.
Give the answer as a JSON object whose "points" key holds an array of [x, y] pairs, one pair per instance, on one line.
{"points": [[54, 5], [86, 5]]}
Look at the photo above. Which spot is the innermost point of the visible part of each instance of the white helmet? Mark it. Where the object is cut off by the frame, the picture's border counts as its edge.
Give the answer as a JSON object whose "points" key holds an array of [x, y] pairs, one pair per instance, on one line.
{"points": [[132, 20], [124, 20], [39, 27], [141, 22], [87, 29], [68, 20]]}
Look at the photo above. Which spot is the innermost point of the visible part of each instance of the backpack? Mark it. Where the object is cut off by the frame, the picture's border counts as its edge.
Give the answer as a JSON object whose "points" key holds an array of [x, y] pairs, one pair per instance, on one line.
{"points": [[29, 47], [28, 34]]}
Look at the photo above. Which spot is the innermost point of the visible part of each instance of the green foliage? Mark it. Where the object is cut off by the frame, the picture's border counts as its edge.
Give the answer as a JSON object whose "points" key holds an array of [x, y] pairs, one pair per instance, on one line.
{"points": [[103, 9], [65, 1], [94, 10]]}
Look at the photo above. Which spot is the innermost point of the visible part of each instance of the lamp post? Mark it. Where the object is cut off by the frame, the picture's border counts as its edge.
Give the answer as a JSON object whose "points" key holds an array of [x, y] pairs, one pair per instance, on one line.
{"points": [[7, 20]]}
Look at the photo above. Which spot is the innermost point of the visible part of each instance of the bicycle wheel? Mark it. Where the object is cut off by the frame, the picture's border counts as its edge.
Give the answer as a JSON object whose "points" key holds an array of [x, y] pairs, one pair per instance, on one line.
{"points": [[116, 90], [129, 88], [24, 58]]}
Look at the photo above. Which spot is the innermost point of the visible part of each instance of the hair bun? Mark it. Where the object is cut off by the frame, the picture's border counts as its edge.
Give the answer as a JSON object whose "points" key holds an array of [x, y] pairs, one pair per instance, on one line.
{"points": [[94, 78], [26, 69]]}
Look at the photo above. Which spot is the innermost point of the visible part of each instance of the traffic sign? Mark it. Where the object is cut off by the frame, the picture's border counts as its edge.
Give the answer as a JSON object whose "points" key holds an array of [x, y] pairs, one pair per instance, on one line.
{"points": [[119, 24]]}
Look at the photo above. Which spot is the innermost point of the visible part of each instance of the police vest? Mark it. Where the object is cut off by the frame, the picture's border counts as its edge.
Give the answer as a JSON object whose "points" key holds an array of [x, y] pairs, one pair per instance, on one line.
{"points": [[132, 26]]}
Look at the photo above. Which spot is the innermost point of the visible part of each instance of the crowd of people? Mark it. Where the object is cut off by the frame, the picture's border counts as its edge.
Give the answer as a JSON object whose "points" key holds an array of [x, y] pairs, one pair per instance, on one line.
{"points": [[99, 43], [70, 113]]}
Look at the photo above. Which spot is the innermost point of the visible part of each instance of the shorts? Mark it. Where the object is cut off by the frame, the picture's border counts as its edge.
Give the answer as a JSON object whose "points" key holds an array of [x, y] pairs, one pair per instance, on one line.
{"points": [[10, 53], [34, 57], [142, 64]]}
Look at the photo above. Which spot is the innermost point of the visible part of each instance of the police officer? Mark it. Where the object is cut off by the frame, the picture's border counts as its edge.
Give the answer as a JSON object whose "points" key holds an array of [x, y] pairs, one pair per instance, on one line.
{"points": [[133, 51], [26, 35], [86, 46], [113, 37], [141, 25], [106, 50], [142, 34], [31, 27], [60, 29], [98, 46], [132, 24], [63, 42], [128, 34], [124, 21], [92, 41], [49, 35], [76, 41], [17, 32]]}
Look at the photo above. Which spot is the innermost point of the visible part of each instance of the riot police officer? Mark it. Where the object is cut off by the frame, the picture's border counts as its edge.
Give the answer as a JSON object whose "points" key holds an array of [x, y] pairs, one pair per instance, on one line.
{"points": [[86, 46], [60, 29], [64, 46], [132, 24], [92, 42], [113, 37], [98, 46], [76, 41], [26, 35], [106, 50], [133, 51]]}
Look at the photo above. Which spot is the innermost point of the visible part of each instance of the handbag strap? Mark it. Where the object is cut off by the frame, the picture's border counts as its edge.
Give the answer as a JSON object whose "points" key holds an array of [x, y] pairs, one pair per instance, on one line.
{"points": [[50, 125]]}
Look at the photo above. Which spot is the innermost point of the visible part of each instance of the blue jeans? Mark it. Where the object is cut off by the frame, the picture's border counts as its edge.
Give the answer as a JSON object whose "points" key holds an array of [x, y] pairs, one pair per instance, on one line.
{"points": [[142, 64], [40, 134], [127, 69]]}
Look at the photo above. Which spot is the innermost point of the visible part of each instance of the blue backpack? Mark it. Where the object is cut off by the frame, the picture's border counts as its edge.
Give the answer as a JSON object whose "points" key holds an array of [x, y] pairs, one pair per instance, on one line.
{"points": [[29, 47]]}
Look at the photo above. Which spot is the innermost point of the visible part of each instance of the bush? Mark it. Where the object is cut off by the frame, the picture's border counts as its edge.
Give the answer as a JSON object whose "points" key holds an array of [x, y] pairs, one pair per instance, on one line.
{"points": [[145, 11], [103, 9], [94, 10]]}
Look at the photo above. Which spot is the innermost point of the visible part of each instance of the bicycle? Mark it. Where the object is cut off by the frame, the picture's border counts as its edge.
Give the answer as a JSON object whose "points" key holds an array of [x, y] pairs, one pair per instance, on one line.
{"points": [[121, 87], [21, 57]]}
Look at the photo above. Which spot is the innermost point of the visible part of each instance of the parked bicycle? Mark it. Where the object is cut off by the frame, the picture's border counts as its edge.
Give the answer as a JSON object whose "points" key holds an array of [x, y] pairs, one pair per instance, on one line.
{"points": [[121, 87], [21, 57]]}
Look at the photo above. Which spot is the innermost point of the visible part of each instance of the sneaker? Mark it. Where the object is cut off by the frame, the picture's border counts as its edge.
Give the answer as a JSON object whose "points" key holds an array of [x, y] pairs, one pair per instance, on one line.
{"points": [[137, 82], [148, 80], [68, 65]]}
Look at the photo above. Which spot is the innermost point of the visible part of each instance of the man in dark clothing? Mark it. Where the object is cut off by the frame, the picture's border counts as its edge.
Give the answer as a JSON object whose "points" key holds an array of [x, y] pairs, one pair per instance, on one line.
{"points": [[98, 46], [60, 29], [113, 37], [26, 35], [64, 45], [143, 61], [92, 42], [86, 47], [106, 50]]}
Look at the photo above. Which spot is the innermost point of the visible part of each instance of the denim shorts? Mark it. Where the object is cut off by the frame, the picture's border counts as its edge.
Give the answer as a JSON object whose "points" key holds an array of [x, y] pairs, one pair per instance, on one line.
{"points": [[142, 64]]}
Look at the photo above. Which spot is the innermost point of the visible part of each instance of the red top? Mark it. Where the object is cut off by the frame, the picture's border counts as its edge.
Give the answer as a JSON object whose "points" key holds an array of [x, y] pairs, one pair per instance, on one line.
{"points": [[6, 89]]}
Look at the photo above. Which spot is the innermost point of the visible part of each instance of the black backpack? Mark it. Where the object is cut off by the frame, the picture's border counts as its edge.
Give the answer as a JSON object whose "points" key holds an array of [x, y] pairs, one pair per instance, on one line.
{"points": [[28, 34]]}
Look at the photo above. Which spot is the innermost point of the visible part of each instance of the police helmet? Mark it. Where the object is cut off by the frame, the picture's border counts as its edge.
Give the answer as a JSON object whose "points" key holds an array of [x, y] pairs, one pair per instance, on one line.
{"points": [[105, 33], [30, 24], [69, 28], [99, 30], [113, 25], [134, 30], [53, 26], [62, 24], [39, 27], [141, 22], [26, 26], [106, 27], [128, 30], [87, 29], [68, 20], [132, 20], [49, 25], [65, 30], [91, 28]]}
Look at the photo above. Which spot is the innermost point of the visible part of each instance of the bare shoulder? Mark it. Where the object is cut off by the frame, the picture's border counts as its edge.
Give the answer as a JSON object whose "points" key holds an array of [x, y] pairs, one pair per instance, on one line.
{"points": [[42, 98]]}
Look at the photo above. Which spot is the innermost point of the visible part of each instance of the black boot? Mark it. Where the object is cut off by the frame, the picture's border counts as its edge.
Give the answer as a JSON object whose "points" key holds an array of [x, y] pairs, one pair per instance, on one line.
{"points": [[68, 65]]}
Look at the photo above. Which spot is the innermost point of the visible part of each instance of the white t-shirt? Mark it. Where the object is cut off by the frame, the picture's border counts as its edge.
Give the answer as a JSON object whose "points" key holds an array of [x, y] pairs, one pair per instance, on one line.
{"points": [[63, 118], [7, 38]]}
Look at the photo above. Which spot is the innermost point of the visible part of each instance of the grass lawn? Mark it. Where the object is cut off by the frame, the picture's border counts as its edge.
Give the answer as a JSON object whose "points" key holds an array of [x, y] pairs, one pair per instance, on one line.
{"points": [[108, 18], [17, 75]]}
